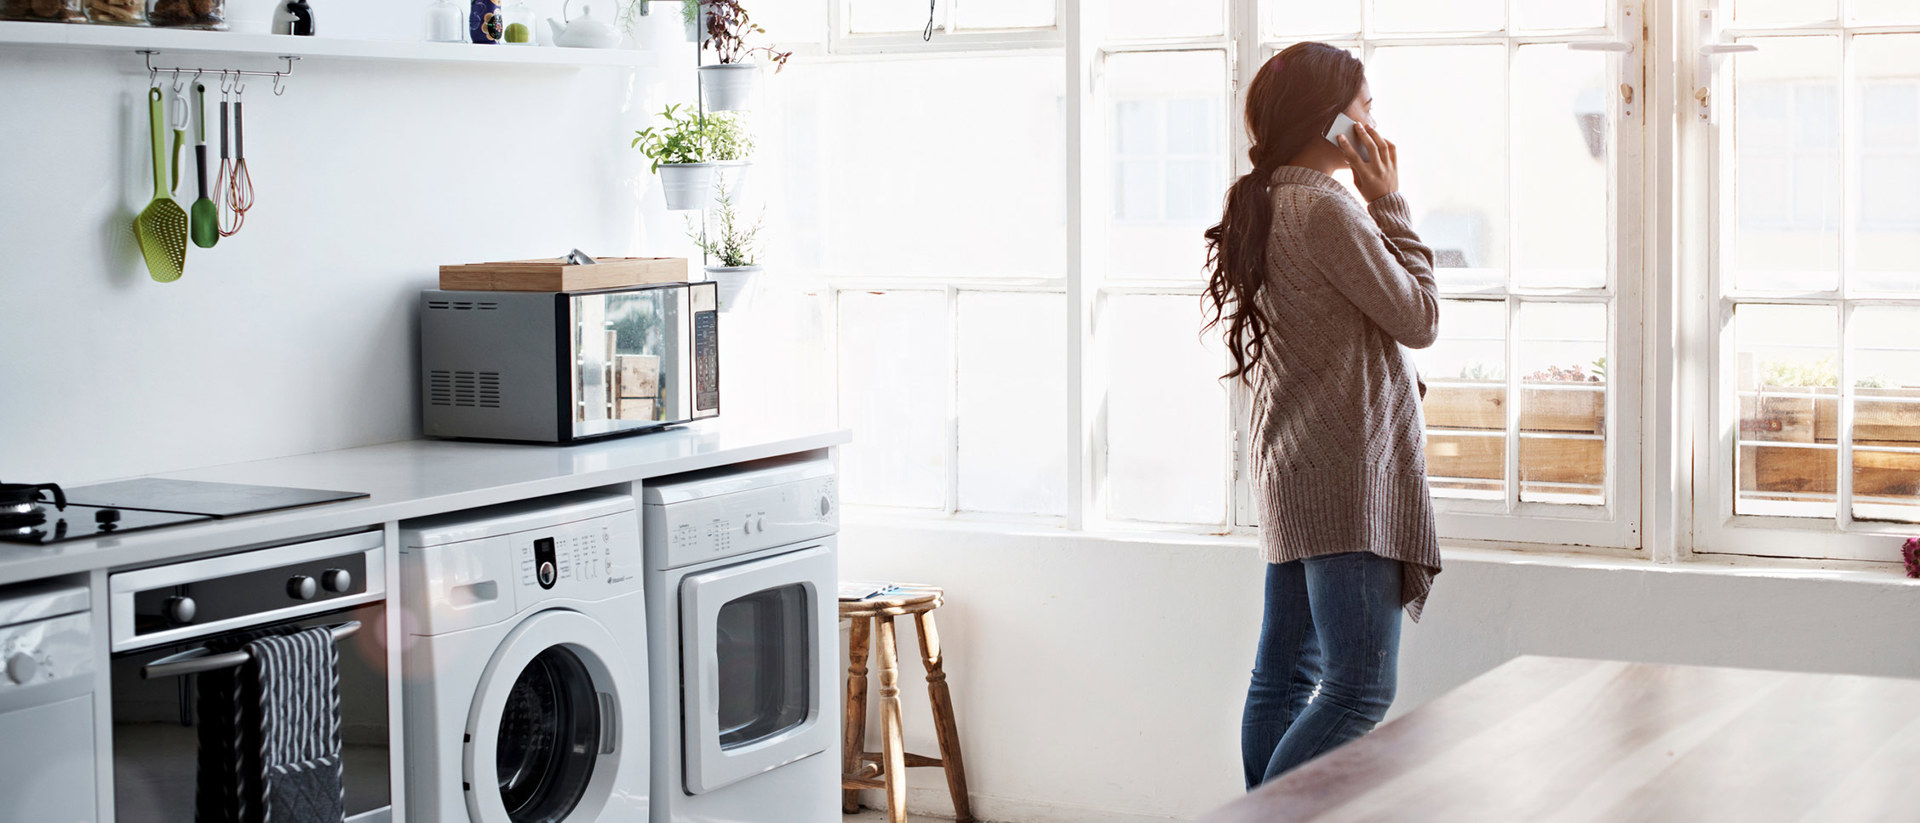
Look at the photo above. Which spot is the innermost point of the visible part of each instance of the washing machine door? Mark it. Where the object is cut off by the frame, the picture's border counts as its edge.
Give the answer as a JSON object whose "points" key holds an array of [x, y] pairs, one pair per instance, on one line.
{"points": [[544, 736]]}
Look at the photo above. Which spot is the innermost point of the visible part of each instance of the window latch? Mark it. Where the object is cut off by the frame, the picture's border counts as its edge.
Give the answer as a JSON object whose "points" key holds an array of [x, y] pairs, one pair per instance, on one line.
{"points": [[1710, 47]]}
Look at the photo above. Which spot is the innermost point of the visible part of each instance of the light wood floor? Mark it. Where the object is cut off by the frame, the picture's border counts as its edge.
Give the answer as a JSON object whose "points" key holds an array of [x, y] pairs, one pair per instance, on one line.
{"points": [[877, 816]]}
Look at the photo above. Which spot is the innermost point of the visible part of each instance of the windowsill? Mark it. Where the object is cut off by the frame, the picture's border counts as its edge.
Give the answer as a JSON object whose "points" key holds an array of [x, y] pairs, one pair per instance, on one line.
{"points": [[1053, 531]]}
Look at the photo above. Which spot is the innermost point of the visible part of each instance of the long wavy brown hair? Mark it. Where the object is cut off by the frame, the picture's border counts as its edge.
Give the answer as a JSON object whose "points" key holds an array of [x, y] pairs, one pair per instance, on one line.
{"points": [[1290, 103]]}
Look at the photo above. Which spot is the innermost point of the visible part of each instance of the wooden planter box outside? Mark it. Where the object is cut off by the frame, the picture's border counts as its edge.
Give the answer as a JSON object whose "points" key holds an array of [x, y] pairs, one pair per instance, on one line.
{"points": [[1882, 417], [1467, 424]]}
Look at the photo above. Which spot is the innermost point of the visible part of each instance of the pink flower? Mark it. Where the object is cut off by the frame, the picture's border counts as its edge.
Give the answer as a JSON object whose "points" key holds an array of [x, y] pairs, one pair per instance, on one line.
{"points": [[1911, 554]]}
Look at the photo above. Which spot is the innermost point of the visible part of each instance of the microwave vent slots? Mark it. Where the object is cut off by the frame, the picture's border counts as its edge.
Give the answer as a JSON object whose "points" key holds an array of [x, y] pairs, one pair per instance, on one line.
{"points": [[469, 389], [461, 305]]}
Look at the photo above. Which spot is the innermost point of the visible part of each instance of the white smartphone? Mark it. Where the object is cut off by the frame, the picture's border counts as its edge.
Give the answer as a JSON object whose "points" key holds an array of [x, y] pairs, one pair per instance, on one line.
{"points": [[1345, 125]]}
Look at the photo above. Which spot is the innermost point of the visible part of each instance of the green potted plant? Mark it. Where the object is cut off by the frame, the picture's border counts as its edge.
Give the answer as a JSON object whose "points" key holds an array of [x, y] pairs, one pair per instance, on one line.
{"points": [[729, 83], [732, 251], [685, 150]]}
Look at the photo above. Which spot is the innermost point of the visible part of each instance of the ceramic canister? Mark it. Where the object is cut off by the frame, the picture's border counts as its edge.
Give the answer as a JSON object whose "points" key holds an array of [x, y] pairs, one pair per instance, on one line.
{"points": [[484, 24]]}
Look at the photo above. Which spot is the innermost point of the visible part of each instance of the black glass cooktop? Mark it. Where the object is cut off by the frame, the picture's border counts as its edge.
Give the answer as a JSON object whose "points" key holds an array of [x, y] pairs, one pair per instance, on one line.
{"points": [[197, 497], [76, 521]]}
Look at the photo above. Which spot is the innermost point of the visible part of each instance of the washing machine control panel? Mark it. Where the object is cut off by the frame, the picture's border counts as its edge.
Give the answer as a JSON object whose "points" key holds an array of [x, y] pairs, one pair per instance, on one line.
{"points": [[589, 558]]}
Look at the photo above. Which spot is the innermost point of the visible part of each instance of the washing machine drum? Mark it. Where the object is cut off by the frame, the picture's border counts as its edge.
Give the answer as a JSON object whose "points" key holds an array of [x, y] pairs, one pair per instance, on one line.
{"points": [[543, 740]]}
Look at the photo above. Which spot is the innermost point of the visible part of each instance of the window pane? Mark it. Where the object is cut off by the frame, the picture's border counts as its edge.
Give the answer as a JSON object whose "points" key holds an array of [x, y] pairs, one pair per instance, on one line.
{"points": [[1787, 381], [1297, 17], [1005, 14], [1013, 403], [895, 357], [1429, 15], [1147, 19], [1454, 177], [1886, 413], [1166, 412], [1168, 125], [1786, 113], [1559, 14], [888, 156], [1563, 402], [1886, 12], [886, 16], [1886, 241], [1782, 12], [1466, 402], [1560, 168]]}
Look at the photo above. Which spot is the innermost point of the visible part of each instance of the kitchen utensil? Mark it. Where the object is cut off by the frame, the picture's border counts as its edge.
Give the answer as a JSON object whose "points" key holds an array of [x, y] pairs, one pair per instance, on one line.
{"points": [[178, 115], [205, 224], [162, 225], [223, 183], [240, 185]]}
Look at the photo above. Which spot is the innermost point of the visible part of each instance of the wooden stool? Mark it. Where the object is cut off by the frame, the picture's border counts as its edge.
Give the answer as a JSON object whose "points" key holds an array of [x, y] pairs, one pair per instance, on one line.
{"points": [[886, 769]]}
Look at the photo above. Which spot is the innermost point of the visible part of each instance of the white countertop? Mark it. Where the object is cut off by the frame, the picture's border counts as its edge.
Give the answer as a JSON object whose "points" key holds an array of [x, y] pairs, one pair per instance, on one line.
{"points": [[414, 479]]}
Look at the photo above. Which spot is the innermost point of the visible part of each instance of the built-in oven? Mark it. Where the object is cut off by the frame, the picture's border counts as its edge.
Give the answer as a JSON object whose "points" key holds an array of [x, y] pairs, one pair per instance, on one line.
{"points": [[172, 625]]}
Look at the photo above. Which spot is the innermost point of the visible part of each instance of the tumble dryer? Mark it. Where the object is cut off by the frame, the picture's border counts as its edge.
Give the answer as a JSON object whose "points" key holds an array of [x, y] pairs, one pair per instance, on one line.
{"points": [[525, 663], [742, 630]]}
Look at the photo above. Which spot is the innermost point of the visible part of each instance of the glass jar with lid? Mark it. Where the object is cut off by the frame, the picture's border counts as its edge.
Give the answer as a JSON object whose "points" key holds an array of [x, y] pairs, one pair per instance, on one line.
{"points": [[188, 14], [520, 24], [50, 11], [117, 12]]}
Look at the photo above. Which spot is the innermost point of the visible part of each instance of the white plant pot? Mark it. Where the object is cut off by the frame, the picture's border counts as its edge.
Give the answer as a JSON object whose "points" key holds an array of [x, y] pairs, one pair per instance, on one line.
{"points": [[686, 185], [736, 285], [729, 86]]}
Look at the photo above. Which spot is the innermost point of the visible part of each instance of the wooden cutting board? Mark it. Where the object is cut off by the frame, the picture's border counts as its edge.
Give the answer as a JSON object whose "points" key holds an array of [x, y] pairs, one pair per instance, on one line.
{"points": [[554, 274]]}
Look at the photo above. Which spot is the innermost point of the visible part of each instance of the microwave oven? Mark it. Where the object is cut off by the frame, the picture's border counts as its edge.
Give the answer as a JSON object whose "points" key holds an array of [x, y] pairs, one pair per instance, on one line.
{"points": [[562, 367]]}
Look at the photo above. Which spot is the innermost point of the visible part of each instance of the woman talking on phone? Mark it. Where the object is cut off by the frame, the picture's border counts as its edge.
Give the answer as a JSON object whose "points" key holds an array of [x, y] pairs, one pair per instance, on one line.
{"points": [[1318, 293]]}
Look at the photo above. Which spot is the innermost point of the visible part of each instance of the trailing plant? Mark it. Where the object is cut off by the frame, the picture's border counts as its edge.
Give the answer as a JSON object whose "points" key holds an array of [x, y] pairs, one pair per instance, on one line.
{"points": [[733, 245], [727, 28], [691, 138]]}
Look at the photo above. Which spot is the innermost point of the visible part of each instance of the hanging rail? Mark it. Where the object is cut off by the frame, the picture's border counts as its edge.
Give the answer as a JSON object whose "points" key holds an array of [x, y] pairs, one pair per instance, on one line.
{"points": [[154, 72]]}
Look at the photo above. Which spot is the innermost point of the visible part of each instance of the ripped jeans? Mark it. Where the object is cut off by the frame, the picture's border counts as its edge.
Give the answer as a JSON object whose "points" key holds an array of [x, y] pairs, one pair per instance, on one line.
{"points": [[1325, 670]]}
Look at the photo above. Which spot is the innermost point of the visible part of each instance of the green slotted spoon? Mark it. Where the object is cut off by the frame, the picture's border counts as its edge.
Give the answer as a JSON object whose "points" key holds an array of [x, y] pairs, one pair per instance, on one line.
{"points": [[162, 225]]}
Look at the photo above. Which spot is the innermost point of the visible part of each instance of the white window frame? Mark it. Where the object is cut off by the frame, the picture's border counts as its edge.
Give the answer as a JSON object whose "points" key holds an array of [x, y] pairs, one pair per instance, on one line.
{"points": [[1719, 531], [1614, 524], [946, 38]]}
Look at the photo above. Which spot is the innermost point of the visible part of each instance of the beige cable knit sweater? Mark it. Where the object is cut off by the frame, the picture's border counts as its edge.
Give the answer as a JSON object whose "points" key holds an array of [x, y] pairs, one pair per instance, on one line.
{"points": [[1337, 451]]}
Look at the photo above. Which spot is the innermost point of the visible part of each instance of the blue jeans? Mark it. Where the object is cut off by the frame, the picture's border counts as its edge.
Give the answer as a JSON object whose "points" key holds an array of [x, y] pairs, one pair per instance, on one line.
{"points": [[1333, 624]]}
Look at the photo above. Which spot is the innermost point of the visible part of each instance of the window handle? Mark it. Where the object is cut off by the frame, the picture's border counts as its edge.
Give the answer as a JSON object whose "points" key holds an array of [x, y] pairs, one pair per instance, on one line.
{"points": [[1711, 46]]}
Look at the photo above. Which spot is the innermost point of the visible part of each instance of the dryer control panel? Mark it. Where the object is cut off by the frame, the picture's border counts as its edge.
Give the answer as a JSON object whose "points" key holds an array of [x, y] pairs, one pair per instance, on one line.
{"points": [[715, 514]]}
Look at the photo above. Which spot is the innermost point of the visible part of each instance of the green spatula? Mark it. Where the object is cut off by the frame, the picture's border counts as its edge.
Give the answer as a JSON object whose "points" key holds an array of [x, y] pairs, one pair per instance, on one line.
{"points": [[206, 218], [162, 225]]}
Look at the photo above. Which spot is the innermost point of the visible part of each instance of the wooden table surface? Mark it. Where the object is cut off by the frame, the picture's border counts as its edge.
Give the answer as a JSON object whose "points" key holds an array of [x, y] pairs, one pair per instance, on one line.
{"points": [[1551, 739]]}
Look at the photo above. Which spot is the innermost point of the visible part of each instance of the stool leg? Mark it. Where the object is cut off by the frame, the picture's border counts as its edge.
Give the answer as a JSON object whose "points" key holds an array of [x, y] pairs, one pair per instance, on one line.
{"points": [[853, 740], [943, 720], [892, 747]]}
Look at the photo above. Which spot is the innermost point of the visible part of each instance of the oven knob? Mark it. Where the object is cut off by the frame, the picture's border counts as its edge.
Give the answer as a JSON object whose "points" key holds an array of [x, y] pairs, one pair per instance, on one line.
{"points": [[179, 610], [336, 580], [302, 587], [760, 525], [21, 667]]}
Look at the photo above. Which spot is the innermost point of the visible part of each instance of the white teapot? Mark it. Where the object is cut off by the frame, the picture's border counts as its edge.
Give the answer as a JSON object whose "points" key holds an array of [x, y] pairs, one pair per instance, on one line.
{"points": [[584, 33]]}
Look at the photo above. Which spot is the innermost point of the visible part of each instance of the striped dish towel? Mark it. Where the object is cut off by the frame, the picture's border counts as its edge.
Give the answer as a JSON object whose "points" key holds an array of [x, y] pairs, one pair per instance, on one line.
{"points": [[270, 734]]}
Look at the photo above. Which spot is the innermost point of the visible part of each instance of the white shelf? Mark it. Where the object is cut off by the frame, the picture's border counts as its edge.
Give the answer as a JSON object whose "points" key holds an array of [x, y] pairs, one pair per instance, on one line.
{"points": [[189, 42]]}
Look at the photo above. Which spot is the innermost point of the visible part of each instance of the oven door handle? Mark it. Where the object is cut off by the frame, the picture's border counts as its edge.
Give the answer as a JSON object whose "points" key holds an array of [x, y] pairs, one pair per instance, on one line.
{"points": [[195, 661]]}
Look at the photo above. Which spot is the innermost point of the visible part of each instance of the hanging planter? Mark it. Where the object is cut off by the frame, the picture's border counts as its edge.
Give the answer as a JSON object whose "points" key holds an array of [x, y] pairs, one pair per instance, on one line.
{"points": [[736, 285], [686, 150], [729, 86], [686, 185]]}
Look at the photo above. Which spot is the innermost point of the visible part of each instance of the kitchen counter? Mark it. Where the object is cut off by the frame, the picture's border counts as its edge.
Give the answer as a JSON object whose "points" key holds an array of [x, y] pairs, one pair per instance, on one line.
{"points": [[415, 479]]}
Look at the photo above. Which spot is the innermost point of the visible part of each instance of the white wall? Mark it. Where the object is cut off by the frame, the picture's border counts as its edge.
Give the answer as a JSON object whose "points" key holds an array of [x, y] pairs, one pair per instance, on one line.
{"points": [[1102, 679], [296, 335]]}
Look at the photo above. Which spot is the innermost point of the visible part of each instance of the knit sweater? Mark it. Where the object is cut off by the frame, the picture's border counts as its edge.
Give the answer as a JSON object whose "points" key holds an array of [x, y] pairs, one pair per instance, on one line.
{"points": [[1337, 452]]}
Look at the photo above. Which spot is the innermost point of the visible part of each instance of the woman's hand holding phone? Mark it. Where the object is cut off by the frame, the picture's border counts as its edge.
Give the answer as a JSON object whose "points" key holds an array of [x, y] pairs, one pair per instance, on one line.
{"points": [[1379, 174]]}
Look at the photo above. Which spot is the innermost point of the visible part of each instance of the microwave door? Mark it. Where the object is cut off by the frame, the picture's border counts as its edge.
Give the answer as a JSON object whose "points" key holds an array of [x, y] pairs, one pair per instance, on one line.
{"points": [[624, 363]]}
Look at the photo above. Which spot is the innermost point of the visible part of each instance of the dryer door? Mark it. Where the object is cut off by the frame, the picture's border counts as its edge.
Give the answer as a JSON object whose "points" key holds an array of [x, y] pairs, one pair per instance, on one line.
{"points": [[544, 736], [756, 667]]}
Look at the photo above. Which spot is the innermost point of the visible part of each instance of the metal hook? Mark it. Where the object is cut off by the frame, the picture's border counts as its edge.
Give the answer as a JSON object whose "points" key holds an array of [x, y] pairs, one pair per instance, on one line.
{"points": [[153, 77], [179, 86], [277, 88], [225, 88]]}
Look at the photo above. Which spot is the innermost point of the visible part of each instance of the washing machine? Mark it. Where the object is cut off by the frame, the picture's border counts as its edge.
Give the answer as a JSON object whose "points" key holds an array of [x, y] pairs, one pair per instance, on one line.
{"points": [[742, 626], [525, 663]]}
